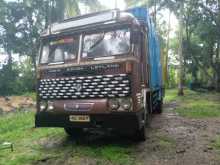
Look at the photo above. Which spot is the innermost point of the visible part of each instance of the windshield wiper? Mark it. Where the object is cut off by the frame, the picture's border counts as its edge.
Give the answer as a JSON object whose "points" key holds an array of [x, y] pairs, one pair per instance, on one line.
{"points": [[52, 55], [97, 42]]}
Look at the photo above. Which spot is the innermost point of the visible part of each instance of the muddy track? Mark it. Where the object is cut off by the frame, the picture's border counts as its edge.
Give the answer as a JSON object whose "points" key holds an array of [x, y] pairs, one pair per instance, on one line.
{"points": [[189, 140], [171, 140]]}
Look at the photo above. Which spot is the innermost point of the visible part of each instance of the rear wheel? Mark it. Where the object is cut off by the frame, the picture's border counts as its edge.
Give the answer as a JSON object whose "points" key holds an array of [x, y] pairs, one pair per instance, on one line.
{"points": [[159, 107], [74, 132]]}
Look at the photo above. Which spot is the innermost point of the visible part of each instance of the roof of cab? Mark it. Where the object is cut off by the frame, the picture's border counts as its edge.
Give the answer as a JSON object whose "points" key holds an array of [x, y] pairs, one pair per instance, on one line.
{"points": [[89, 20]]}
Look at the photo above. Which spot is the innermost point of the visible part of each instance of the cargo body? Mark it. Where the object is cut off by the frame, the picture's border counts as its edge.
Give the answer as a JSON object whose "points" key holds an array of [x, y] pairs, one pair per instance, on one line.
{"points": [[100, 70]]}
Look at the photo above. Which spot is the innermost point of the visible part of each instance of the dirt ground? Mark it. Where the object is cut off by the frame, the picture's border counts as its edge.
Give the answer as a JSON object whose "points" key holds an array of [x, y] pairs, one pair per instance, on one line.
{"points": [[172, 140], [12, 103], [191, 138]]}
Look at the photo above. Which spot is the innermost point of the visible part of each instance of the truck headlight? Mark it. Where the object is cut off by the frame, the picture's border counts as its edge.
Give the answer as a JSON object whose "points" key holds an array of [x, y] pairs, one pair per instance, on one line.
{"points": [[43, 105], [50, 106], [120, 104], [113, 104], [126, 104]]}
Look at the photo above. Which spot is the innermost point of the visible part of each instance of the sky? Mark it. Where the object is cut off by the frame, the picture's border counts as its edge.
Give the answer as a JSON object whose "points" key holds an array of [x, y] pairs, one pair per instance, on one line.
{"points": [[113, 3]]}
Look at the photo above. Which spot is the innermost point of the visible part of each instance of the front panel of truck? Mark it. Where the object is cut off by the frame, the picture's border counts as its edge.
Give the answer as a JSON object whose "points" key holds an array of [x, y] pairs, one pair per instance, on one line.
{"points": [[91, 79]]}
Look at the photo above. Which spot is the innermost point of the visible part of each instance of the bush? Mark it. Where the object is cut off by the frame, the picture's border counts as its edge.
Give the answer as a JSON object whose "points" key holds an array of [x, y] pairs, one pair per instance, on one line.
{"points": [[17, 78]]}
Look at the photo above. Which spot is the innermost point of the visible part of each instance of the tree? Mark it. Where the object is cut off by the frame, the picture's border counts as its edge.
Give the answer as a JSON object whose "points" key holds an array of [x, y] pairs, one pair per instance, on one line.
{"points": [[210, 25], [21, 23], [180, 51], [63, 9]]}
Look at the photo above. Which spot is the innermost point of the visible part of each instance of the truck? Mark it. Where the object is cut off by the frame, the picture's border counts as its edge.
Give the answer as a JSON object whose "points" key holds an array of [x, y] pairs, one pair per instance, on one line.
{"points": [[100, 70]]}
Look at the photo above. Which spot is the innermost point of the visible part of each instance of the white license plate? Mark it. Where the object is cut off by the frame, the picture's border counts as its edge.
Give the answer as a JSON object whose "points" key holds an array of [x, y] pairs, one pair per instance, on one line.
{"points": [[79, 118]]}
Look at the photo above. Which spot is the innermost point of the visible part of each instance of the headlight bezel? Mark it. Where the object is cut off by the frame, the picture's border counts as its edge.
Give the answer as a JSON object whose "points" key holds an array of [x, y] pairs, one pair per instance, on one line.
{"points": [[113, 104], [43, 105], [50, 106], [126, 104], [46, 105], [122, 102]]}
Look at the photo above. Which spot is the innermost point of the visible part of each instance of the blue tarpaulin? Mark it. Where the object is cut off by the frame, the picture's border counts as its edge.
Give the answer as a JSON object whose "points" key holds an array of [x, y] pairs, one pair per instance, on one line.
{"points": [[142, 15]]}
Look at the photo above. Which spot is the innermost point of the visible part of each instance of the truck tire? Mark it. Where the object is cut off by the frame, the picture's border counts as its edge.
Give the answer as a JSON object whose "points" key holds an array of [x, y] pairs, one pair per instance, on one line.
{"points": [[159, 108], [74, 132], [148, 119], [140, 135]]}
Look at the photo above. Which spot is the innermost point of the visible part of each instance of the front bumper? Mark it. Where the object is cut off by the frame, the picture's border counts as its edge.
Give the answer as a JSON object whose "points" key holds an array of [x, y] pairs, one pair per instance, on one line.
{"points": [[119, 121]]}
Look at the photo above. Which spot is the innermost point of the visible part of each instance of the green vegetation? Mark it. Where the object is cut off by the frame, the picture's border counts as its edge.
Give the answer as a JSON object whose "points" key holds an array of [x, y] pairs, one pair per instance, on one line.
{"points": [[198, 110], [19, 129], [165, 142], [195, 104], [32, 145], [216, 143], [17, 79], [110, 152]]}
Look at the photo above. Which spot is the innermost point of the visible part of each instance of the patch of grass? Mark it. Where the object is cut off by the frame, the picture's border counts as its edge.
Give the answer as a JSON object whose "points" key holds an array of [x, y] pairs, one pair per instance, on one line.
{"points": [[32, 145], [195, 104], [216, 143], [18, 128], [170, 95], [114, 153], [199, 111], [165, 142]]}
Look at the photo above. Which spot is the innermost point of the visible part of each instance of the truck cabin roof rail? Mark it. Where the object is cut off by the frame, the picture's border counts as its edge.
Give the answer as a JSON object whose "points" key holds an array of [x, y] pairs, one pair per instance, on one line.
{"points": [[98, 18]]}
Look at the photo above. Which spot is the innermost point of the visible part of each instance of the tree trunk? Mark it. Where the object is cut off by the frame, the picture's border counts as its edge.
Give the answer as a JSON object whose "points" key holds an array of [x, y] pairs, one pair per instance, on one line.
{"points": [[165, 62], [155, 12], [9, 60], [218, 53], [217, 83], [180, 52], [47, 14], [217, 86]]}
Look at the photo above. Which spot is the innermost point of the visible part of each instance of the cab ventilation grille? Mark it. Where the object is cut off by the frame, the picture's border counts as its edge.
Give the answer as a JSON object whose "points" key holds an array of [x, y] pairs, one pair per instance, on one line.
{"points": [[100, 86]]}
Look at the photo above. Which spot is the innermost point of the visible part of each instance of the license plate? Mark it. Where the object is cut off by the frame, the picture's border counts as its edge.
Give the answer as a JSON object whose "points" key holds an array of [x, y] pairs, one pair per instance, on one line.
{"points": [[79, 118]]}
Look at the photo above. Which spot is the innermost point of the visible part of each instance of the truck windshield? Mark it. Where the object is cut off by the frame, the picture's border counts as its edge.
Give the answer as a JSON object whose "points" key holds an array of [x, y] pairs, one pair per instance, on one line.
{"points": [[60, 50], [106, 43]]}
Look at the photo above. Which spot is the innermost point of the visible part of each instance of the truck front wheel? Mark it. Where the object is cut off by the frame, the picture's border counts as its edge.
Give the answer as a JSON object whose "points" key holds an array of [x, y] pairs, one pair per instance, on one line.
{"points": [[140, 135], [74, 132]]}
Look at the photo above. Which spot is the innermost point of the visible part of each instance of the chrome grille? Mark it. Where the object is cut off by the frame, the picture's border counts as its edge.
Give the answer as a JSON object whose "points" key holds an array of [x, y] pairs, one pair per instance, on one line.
{"points": [[100, 86]]}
